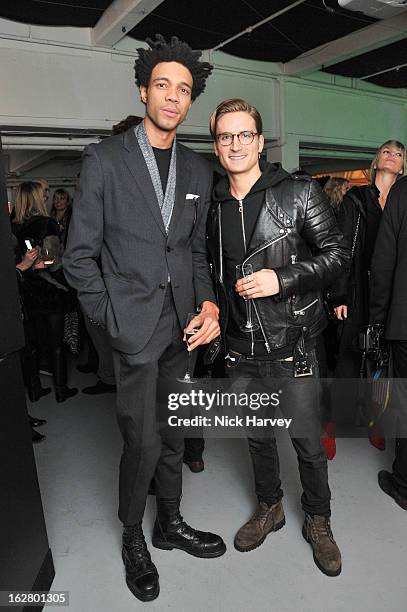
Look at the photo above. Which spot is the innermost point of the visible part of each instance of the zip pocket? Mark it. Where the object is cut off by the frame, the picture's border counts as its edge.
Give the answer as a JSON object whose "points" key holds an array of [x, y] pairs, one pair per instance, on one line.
{"points": [[301, 312]]}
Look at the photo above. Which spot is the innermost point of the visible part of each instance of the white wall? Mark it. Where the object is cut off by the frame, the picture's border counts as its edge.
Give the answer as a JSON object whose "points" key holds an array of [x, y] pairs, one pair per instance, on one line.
{"points": [[53, 77], [50, 84]]}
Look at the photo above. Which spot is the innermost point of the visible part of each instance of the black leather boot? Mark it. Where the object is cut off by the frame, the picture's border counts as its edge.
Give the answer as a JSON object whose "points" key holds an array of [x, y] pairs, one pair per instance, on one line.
{"points": [[36, 393], [171, 531], [36, 436], [141, 573], [62, 392], [30, 367], [35, 421]]}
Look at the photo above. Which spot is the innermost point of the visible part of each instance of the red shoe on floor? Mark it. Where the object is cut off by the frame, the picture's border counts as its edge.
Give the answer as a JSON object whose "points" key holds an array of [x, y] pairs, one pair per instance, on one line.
{"points": [[376, 438], [328, 440]]}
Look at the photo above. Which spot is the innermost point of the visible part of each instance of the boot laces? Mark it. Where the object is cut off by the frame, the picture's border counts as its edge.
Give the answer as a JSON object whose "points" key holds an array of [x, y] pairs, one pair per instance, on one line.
{"points": [[134, 541], [320, 528], [260, 515]]}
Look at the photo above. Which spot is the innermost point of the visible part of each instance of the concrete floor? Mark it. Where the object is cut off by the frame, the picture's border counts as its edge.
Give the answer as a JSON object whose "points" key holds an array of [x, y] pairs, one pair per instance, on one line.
{"points": [[78, 474]]}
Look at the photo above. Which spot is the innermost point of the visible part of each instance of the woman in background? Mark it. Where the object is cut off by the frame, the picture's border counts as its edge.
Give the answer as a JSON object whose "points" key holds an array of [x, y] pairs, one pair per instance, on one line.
{"points": [[359, 218], [61, 211], [46, 296], [33, 383], [336, 188]]}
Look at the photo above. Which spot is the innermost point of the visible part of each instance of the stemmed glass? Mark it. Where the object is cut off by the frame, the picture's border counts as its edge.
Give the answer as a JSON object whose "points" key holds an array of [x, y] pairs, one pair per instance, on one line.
{"points": [[187, 378], [243, 271]]}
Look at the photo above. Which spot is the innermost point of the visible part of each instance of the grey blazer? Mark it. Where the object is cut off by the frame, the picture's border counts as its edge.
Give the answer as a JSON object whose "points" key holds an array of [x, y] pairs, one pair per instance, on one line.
{"points": [[118, 254]]}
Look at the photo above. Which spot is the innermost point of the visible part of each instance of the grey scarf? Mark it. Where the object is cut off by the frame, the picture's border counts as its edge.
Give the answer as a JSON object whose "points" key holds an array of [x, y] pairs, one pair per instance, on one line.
{"points": [[166, 201]]}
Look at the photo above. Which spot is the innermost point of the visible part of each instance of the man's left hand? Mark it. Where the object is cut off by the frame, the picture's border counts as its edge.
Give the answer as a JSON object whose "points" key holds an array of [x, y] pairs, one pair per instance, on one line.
{"points": [[259, 284], [208, 322]]}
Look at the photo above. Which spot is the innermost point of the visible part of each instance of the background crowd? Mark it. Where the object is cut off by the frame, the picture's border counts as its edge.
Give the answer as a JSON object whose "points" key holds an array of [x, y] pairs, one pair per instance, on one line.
{"points": [[54, 324]]}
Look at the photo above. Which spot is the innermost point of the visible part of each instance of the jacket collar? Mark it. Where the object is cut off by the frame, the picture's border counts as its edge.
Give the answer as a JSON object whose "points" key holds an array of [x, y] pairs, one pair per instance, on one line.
{"points": [[135, 162]]}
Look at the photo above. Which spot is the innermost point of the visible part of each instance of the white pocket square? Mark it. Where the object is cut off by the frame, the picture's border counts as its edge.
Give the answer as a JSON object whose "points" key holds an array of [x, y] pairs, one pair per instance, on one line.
{"points": [[192, 196]]}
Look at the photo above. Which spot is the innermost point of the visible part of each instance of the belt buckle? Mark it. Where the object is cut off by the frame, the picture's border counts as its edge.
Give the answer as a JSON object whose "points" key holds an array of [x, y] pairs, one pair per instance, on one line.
{"points": [[303, 368]]}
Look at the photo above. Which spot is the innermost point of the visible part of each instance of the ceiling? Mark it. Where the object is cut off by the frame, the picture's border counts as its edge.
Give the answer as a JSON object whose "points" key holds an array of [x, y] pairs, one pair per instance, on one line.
{"points": [[308, 29], [300, 36]]}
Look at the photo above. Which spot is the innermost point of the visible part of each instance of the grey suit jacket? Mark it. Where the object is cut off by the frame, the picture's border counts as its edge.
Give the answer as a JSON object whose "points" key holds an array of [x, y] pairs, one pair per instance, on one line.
{"points": [[118, 254]]}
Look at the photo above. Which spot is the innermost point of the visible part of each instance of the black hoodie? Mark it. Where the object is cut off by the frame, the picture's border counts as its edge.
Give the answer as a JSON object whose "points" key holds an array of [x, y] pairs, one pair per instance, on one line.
{"points": [[234, 252]]}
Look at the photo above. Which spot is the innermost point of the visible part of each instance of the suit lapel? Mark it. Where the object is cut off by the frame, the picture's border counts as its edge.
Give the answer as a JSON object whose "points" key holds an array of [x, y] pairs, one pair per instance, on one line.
{"points": [[183, 178], [135, 162]]}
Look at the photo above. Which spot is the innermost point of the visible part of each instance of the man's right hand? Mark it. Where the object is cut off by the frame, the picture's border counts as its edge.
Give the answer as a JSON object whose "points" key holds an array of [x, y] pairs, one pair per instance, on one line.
{"points": [[341, 312]]}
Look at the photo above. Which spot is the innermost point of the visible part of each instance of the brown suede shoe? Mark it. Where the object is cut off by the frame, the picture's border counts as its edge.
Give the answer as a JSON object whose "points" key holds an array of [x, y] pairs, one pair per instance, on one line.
{"points": [[317, 531], [260, 524]]}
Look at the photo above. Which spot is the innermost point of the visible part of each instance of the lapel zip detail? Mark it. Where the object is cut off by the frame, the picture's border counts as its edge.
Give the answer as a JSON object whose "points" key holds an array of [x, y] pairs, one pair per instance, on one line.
{"points": [[266, 343], [265, 246]]}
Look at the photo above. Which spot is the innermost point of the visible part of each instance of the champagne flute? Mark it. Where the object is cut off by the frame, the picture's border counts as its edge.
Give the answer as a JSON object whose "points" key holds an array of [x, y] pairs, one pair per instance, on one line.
{"points": [[187, 378], [244, 271]]}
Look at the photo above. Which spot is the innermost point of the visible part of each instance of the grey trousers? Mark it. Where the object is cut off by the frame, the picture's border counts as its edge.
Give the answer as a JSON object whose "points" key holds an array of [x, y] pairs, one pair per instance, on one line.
{"points": [[146, 454]]}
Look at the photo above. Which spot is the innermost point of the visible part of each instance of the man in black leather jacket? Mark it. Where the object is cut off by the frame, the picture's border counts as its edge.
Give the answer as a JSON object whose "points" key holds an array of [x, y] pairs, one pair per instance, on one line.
{"points": [[284, 227]]}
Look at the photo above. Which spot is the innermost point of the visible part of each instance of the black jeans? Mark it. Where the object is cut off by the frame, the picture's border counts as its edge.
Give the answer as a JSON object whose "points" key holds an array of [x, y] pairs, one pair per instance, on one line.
{"points": [[35, 326], [301, 402]]}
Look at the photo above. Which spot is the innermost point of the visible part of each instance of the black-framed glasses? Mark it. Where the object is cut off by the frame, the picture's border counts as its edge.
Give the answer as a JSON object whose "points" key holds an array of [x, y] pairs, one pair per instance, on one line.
{"points": [[245, 138]]}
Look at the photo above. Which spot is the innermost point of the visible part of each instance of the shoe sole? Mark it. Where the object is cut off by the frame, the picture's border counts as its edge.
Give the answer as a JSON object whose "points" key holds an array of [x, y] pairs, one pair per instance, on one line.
{"points": [[194, 470], [143, 597], [163, 545], [396, 498], [243, 549], [317, 563]]}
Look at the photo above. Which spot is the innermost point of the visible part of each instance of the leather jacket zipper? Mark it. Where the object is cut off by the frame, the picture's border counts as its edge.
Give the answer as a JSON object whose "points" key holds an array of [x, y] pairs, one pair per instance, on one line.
{"points": [[220, 246], [266, 343], [302, 311], [265, 246], [241, 211], [271, 242], [220, 275], [242, 223]]}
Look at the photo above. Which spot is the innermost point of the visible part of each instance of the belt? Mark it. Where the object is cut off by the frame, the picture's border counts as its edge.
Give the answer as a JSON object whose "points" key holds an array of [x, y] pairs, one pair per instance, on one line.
{"points": [[259, 357]]}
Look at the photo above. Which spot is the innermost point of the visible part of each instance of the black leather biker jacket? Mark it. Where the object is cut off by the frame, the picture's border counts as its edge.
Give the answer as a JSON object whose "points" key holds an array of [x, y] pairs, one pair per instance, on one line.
{"points": [[297, 236]]}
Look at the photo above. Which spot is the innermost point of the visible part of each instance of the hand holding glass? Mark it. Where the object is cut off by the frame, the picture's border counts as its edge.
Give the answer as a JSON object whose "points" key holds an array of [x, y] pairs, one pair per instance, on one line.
{"points": [[187, 378]]}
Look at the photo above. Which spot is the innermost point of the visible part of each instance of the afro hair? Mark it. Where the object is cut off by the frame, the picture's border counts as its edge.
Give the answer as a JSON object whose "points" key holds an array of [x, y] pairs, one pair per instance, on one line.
{"points": [[174, 51]]}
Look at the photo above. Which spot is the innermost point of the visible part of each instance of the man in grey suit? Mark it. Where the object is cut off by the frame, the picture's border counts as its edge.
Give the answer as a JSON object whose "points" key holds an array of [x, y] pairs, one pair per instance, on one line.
{"points": [[141, 208]]}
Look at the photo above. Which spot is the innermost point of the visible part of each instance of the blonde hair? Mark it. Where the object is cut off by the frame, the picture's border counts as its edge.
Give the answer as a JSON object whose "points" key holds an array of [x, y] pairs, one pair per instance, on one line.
{"points": [[373, 165], [58, 193], [234, 105], [43, 182], [333, 189], [29, 201]]}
